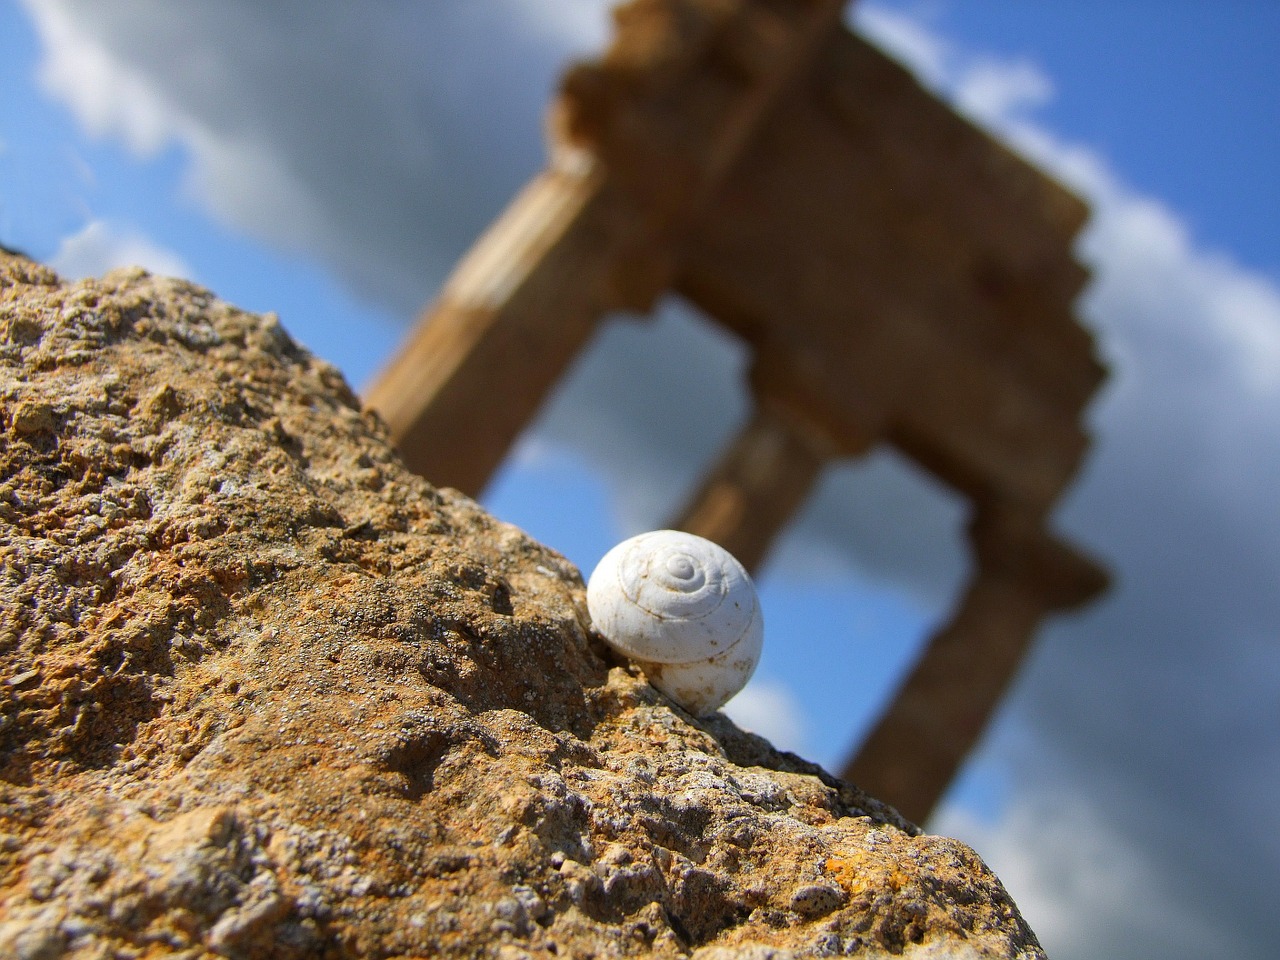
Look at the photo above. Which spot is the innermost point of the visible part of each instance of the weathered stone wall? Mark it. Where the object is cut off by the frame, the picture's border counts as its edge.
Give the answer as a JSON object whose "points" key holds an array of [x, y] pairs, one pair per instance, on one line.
{"points": [[264, 693]]}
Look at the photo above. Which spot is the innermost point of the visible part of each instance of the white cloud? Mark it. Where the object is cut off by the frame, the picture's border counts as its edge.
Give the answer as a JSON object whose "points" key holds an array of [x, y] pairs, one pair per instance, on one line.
{"points": [[377, 142], [908, 39], [100, 247], [651, 402], [993, 90], [988, 89], [1086, 889], [106, 95], [770, 709], [580, 26]]}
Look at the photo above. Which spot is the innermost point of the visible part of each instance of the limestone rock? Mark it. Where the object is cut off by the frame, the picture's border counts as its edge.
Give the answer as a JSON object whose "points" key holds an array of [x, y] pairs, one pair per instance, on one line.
{"points": [[264, 693]]}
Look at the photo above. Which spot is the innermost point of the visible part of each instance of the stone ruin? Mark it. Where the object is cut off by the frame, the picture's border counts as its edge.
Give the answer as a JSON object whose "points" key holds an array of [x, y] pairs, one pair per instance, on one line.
{"points": [[898, 276]]}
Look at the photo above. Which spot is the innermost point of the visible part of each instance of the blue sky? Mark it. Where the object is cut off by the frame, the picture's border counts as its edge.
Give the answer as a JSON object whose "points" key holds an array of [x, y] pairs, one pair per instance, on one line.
{"points": [[331, 165], [1179, 95]]}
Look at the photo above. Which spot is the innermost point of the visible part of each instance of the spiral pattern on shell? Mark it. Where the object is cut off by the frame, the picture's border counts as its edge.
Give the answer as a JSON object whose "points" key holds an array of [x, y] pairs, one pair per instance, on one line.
{"points": [[685, 610]]}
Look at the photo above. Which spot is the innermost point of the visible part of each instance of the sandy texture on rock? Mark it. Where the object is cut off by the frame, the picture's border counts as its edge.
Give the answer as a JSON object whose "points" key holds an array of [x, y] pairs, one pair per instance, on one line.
{"points": [[263, 693]]}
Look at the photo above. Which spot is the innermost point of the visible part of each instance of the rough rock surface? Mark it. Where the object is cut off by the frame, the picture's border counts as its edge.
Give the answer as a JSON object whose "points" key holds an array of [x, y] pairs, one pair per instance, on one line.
{"points": [[263, 693]]}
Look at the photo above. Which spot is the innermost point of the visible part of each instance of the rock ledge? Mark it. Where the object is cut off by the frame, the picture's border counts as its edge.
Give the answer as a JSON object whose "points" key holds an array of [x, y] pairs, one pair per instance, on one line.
{"points": [[264, 693]]}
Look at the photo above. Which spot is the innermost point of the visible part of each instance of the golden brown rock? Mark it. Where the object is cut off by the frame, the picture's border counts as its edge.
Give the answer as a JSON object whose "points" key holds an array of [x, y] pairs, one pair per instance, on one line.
{"points": [[264, 693]]}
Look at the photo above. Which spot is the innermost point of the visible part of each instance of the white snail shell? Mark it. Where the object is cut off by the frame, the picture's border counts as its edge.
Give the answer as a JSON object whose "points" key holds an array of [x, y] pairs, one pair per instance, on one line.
{"points": [[685, 610]]}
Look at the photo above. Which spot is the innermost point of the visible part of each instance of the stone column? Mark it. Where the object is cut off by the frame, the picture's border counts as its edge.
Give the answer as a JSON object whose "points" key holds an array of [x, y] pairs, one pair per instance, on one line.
{"points": [[513, 315], [941, 710]]}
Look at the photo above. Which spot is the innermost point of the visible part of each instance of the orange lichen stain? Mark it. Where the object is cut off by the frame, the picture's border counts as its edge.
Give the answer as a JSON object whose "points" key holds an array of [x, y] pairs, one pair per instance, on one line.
{"points": [[844, 872], [859, 873]]}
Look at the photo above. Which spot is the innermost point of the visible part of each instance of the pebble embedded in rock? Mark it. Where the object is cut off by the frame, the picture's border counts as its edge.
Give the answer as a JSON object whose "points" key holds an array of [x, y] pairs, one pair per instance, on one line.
{"points": [[816, 899]]}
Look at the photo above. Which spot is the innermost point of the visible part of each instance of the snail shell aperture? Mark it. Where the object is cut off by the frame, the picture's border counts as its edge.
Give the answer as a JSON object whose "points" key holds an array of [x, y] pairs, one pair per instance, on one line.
{"points": [[685, 610]]}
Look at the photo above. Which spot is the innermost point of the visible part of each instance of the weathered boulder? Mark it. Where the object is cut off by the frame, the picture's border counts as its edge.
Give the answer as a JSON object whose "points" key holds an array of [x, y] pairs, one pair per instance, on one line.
{"points": [[264, 693]]}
